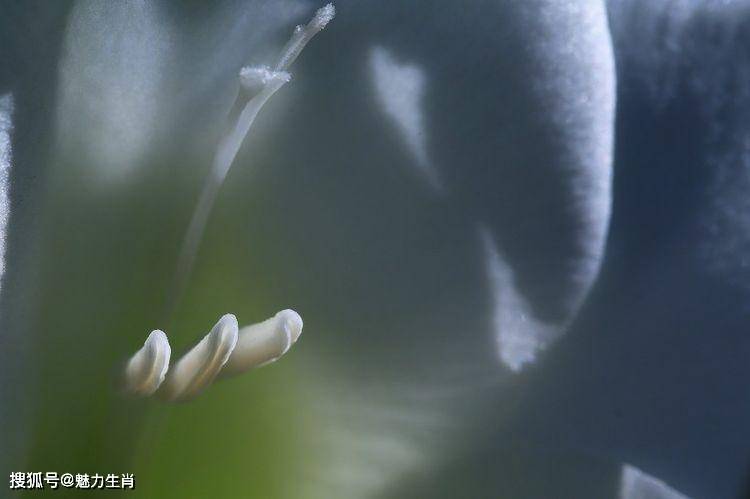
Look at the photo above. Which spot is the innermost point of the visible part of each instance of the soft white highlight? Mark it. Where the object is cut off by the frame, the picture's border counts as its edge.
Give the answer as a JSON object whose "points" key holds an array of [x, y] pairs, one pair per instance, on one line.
{"points": [[263, 343], [6, 128], [400, 89], [110, 84], [198, 368], [519, 335], [146, 369], [635, 484], [372, 437], [576, 85]]}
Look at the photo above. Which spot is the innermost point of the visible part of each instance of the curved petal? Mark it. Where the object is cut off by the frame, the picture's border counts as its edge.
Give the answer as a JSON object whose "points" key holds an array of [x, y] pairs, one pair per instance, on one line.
{"points": [[519, 335], [540, 173], [636, 484]]}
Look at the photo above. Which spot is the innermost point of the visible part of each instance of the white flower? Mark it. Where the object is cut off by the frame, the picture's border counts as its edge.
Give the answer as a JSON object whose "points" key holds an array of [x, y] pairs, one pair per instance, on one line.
{"points": [[505, 112]]}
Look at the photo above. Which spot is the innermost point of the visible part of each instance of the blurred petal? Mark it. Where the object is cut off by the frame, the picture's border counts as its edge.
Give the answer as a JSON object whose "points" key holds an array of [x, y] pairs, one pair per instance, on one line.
{"points": [[519, 335], [6, 127], [662, 352], [638, 485], [517, 101], [111, 84], [400, 88], [549, 210]]}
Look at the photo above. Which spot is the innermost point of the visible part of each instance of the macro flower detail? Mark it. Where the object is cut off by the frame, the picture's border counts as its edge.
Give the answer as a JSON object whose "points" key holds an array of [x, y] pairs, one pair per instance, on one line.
{"points": [[518, 232], [224, 351], [263, 343], [146, 369], [198, 367], [256, 345]]}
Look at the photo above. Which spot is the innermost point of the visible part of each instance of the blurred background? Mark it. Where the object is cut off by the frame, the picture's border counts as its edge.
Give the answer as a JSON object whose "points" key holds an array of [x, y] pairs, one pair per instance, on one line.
{"points": [[516, 232]]}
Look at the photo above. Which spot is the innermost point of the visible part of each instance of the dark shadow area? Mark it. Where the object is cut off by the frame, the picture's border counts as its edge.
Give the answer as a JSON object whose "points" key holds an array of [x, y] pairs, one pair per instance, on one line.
{"points": [[653, 372], [30, 43]]}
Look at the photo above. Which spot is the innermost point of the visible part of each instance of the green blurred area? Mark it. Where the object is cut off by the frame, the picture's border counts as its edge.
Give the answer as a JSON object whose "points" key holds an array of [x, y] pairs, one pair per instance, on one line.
{"points": [[107, 265]]}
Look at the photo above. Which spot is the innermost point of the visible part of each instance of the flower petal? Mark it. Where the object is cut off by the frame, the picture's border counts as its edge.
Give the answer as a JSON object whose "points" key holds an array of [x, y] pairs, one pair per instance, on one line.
{"points": [[519, 334], [400, 89], [6, 127], [636, 484]]}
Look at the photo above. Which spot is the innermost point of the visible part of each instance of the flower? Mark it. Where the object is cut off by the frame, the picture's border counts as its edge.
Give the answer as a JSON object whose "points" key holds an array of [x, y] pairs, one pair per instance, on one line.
{"points": [[516, 232]]}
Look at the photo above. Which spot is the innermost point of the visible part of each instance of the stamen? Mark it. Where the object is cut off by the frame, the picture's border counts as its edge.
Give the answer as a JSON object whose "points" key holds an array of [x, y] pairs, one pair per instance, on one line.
{"points": [[257, 85], [302, 35], [198, 368], [266, 83], [263, 343], [147, 368], [259, 344]]}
